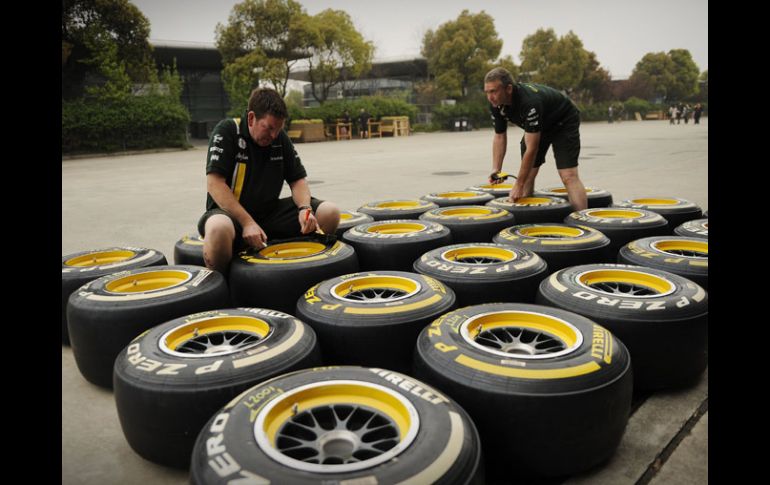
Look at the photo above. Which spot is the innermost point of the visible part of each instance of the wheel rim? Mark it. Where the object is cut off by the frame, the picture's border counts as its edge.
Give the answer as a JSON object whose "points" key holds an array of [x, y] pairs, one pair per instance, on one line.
{"points": [[478, 255], [688, 249], [456, 195], [100, 258], [496, 186], [614, 214], [344, 216], [563, 191], [550, 232], [221, 335], [655, 201], [399, 204], [626, 283], [534, 201], [148, 281], [292, 250], [375, 289], [521, 335], [397, 228], [466, 212], [336, 426]]}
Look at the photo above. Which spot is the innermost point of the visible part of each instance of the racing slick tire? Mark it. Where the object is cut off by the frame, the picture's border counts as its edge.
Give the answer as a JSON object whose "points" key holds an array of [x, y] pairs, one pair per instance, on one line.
{"points": [[470, 223], [529, 210], [685, 256], [385, 210], [459, 197], [596, 197], [676, 211], [621, 226], [189, 250], [693, 228], [350, 219]]}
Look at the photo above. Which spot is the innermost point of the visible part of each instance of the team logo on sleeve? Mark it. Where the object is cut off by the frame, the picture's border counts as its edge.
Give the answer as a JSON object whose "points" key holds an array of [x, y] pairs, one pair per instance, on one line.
{"points": [[217, 139], [241, 143]]}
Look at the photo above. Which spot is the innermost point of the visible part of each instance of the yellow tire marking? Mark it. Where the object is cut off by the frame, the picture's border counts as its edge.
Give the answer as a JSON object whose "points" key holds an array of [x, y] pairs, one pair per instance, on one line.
{"points": [[393, 309], [499, 370]]}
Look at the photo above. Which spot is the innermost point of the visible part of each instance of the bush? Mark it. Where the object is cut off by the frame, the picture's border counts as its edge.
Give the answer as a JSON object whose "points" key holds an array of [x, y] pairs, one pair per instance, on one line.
{"points": [[135, 122], [376, 106]]}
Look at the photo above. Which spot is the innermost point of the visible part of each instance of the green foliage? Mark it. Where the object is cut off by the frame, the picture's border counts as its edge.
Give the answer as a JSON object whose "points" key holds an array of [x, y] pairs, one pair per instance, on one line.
{"points": [[460, 53], [476, 109], [561, 63], [634, 104], [376, 106], [672, 76]]}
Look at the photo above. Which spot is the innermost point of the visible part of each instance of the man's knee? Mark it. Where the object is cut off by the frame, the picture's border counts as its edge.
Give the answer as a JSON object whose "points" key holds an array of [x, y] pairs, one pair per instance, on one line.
{"points": [[569, 176], [219, 227], [328, 215]]}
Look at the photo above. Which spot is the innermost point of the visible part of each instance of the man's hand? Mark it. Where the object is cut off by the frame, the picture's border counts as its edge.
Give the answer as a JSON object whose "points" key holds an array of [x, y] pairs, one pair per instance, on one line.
{"points": [[517, 192], [254, 236], [494, 179], [307, 221]]}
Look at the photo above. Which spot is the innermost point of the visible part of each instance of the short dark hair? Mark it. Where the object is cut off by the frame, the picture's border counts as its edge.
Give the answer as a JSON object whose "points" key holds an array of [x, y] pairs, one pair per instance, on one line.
{"points": [[499, 74], [266, 101]]}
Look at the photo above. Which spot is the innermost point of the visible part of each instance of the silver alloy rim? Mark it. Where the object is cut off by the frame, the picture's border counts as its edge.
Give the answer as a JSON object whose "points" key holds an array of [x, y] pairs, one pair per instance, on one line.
{"points": [[682, 252], [213, 344], [374, 295], [625, 289]]}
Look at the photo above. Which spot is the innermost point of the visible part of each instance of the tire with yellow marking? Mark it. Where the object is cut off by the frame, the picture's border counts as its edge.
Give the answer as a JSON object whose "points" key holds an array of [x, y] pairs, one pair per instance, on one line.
{"points": [[596, 197], [395, 244], [559, 244], [549, 390], [350, 219], [79, 268], [470, 223], [107, 313], [685, 256], [485, 272], [274, 277], [373, 318], [675, 210], [694, 228], [385, 210], [459, 197], [497, 190], [534, 209], [620, 225], [343, 425], [189, 250], [661, 317], [171, 379]]}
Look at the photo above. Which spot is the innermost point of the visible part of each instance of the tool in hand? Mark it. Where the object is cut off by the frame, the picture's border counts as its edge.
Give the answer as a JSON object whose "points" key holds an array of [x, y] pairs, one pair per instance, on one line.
{"points": [[323, 238], [499, 177]]}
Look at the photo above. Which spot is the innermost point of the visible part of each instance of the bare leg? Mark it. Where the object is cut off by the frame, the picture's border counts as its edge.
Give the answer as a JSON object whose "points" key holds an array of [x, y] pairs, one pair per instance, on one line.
{"points": [[328, 216], [575, 189], [218, 243]]}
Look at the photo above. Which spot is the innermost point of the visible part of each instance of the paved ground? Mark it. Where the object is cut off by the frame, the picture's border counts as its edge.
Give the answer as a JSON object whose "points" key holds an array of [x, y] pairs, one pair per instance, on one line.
{"points": [[152, 199]]}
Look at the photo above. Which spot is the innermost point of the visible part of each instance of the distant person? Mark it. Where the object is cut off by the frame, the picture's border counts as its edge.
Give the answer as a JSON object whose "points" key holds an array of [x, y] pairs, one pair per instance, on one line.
{"points": [[346, 120], [687, 113], [696, 113], [679, 112], [248, 160], [609, 114], [363, 123], [672, 112], [548, 117]]}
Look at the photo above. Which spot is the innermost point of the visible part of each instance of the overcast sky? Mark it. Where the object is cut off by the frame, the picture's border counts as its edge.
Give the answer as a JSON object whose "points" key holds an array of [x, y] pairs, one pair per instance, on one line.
{"points": [[620, 32]]}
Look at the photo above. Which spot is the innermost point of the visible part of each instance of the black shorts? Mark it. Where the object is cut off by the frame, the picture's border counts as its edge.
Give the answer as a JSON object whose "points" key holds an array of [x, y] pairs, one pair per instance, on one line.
{"points": [[565, 139], [280, 220]]}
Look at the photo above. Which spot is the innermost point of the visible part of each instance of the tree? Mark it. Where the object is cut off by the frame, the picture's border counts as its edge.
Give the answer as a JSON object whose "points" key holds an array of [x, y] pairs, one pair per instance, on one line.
{"points": [[685, 74], [90, 25], [561, 63], [460, 52], [263, 39], [340, 52], [672, 76], [595, 85]]}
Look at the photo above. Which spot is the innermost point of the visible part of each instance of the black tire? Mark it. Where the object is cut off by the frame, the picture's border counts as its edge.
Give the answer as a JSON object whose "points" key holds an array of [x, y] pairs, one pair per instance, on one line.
{"points": [[275, 276], [497, 190], [661, 317], [170, 380], [386, 210], [621, 226], [685, 256], [596, 197], [559, 244], [459, 197], [373, 318], [79, 268], [106, 314], [336, 414], [551, 409], [528, 210], [350, 219], [676, 211], [470, 223], [694, 228], [189, 250], [395, 244], [484, 272]]}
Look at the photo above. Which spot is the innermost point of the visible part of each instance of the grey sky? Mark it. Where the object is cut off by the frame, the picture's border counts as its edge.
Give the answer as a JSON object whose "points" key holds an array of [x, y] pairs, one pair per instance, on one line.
{"points": [[620, 32]]}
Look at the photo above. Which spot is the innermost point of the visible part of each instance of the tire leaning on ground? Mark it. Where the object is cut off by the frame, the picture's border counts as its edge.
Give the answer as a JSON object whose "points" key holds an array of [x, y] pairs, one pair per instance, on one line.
{"points": [[189, 250], [529, 210], [484, 272], [662, 318], [694, 228], [549, 390], [560, 245], [170, 380], [621, 226], [373, 318], [339, 425], [596, 197], [275, 276], [685, 256], [350, 219], [106, 314], [79, 268], [459, 197], [676, 211], [470, 223], [394, 244], [385, 210]]}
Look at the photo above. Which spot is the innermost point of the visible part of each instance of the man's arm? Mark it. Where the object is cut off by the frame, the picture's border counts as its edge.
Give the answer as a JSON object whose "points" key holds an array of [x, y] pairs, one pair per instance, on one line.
{"points": [[499, 147], [300, 193], [223, 196]]}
